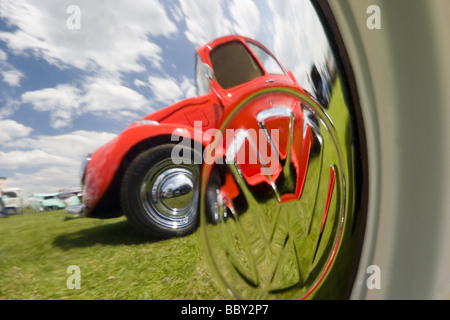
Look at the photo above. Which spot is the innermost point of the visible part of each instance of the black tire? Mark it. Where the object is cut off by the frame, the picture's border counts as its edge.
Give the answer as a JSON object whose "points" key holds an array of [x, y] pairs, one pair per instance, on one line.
{"points": [[212, 203], [148, 198]]}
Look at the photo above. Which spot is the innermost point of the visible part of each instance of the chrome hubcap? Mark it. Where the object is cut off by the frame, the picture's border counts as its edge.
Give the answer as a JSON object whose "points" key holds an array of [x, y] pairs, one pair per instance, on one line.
{"points": [[277, 237], [169, 194], [172, 191]]}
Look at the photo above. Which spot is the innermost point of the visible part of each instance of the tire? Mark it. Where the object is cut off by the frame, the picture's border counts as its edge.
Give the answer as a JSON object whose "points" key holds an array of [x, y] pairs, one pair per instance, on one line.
{"points": [[216, 209], [149, 199], [213, 197]]}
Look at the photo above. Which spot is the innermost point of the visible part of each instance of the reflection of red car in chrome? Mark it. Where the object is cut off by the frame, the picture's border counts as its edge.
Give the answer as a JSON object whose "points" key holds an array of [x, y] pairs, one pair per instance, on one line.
{"points": [[138, 174]]}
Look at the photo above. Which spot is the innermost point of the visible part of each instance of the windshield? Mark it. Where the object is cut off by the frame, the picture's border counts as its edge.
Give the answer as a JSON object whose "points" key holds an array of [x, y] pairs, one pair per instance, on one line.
{"points": [[9, 194], [268, 62], [234, 65]]}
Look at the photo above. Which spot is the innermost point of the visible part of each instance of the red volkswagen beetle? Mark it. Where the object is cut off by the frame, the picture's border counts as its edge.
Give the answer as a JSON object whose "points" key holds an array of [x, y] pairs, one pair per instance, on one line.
{"points": [[152, 170]]}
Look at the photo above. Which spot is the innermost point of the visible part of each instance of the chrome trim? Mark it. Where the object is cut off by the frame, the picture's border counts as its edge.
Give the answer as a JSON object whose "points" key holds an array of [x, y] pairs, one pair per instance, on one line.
{"points": [[278, 111], [84, 165], [147, 122], [232, 152]]}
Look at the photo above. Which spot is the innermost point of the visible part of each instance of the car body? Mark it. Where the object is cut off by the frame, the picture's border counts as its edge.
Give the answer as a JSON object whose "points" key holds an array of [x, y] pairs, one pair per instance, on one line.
{"points": [[13, 200], [76, 209], [74, 205], [46, 202], [228, 70]]}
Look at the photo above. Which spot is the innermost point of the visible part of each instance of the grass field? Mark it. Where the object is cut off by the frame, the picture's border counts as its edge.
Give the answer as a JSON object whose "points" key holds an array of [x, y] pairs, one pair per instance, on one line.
{"points": [[115, 261]]}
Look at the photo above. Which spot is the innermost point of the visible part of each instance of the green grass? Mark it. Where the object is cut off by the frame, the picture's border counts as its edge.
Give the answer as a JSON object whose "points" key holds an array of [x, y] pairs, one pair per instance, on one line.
{"points": [[115, 260]]}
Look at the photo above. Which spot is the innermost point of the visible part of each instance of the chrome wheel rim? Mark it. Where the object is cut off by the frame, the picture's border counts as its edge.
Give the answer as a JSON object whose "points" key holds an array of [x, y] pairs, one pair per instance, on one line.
{"points": [[169, 194]]}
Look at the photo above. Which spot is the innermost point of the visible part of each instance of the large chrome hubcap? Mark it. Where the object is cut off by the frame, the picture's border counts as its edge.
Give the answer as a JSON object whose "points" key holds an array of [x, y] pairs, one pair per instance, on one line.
{"points": [[276, 232]]}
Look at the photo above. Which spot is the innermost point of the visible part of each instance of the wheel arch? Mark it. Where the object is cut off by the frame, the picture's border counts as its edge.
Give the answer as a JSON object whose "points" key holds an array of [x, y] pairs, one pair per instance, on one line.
{"points": [[109, 205]]}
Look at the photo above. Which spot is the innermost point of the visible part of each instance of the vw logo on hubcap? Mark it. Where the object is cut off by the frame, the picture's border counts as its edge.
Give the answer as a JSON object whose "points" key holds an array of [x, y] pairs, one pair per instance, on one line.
{"points": [[276, 231]]}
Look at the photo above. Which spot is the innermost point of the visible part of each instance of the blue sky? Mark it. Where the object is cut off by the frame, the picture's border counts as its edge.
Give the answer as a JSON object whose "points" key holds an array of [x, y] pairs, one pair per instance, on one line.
{"points": [[67, 86]]}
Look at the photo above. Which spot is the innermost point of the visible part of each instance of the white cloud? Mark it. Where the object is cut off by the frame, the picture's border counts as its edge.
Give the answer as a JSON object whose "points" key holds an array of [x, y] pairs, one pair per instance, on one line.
{"points": [[9, 105], [62, 102], [61, 97], [177, 13], [139, 83], [208, 20], [106, 96], [188, 88], [52, 162], [10, 130], [64, 149], [298, 37], [3, 55], [48, 179], [30, 158], [168, 90], [246, 17], [205, 20], [12, 77], [113, 36]]}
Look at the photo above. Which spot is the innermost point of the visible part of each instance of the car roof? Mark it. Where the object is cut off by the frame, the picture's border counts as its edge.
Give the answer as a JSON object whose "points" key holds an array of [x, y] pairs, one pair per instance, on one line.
{"points": [[219, 41]]}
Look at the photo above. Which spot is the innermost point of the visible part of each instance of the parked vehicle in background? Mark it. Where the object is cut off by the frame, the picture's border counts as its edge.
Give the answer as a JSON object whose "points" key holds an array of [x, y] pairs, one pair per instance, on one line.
{"points": [[74, 205], [321, 86], [2, 207], [13, 200], [46, 201]]}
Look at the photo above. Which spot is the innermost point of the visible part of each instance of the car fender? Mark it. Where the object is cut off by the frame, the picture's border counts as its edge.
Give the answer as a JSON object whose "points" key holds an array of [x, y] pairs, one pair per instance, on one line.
{"points": [[106, 161]]}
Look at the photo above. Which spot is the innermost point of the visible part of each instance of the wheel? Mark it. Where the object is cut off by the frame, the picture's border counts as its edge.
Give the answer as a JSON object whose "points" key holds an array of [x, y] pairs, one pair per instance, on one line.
{"points": [[160, 192], [216, 209], [214, 201]]}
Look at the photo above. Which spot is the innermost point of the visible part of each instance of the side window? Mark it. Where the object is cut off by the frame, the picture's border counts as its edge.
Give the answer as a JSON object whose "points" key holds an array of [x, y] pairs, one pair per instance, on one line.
{"points": [[268, 62], [234, 65], [201, 80]]}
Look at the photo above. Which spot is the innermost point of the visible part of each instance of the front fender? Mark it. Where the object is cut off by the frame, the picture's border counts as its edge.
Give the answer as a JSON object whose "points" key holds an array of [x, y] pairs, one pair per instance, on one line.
{"points": [[106, 161]]}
